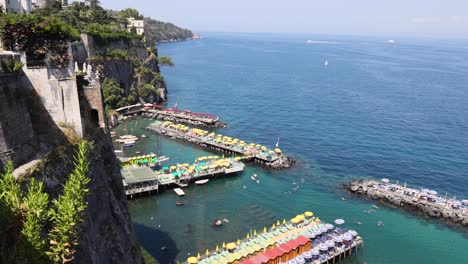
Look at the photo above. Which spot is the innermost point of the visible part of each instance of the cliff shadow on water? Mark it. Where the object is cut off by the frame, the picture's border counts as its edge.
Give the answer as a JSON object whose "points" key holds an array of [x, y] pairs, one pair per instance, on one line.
{"points": [[158, 243]]}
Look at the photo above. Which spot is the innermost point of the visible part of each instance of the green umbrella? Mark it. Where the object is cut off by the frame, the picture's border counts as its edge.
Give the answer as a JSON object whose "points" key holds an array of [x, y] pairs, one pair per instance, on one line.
{"points": [[165, 168], [175, 174], [198, 169]]}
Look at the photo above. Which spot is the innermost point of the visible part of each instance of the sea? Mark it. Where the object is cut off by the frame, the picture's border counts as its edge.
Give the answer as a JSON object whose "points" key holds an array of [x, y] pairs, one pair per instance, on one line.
{"points": [[377, 110]]}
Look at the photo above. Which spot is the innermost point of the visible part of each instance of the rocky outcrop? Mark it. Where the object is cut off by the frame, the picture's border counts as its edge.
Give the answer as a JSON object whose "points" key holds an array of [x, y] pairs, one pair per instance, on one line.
{"points": [[127, 71], [373, 190]]}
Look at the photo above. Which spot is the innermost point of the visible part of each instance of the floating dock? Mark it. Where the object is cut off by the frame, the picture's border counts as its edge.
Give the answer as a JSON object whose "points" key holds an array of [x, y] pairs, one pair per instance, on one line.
{"points": [[423, 201], [249, 152], [142, 179], [304, 239]]}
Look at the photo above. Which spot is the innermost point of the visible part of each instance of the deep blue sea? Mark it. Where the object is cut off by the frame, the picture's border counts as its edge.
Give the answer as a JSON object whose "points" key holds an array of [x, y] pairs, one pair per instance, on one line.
{"points": [[378, 110]]}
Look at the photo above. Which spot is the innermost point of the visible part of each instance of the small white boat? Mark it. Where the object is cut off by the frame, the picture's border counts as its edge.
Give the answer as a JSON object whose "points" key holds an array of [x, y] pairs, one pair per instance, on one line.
{"points": [[258, 182], [326, 63], [179, 192], [144, 136], [253, 177], [201, 182]]}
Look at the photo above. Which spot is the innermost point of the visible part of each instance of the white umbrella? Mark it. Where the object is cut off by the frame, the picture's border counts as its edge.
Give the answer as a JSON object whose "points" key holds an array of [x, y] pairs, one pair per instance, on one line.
{"points": [[385, 180], [339, 221], [432, 192]]}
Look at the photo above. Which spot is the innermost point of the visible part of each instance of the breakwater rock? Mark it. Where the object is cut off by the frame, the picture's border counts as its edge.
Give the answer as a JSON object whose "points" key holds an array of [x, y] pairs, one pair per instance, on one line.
{"points": [[421, 202]]}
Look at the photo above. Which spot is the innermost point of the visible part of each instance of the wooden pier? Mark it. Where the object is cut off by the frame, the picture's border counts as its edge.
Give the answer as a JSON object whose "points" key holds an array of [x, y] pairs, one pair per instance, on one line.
{"points": [[140, 180], [252, 152]]}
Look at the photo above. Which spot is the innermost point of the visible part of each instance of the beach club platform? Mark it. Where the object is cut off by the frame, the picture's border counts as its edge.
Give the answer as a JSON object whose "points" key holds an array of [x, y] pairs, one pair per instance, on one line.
{"points": [[273, 158], [143, 179], [303, 239]]}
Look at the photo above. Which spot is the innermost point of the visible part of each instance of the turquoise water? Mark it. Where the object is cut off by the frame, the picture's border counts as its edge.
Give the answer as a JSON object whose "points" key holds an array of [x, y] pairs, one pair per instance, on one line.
{"points": [[378, 110]]}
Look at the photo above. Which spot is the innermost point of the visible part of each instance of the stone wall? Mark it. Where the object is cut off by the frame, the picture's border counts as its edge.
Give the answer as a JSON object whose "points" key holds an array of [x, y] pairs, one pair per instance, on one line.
{"points": [[16, 133]]}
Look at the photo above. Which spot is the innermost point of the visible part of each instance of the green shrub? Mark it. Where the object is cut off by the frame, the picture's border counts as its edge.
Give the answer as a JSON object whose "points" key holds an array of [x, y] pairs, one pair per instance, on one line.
{"points": [[35, 230], [11, 65]]}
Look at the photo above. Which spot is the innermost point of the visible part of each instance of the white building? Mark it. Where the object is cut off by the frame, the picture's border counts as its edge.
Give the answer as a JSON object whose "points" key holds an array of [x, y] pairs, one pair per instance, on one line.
{"points": [[139, 25], [17, 6], [38, 3]]}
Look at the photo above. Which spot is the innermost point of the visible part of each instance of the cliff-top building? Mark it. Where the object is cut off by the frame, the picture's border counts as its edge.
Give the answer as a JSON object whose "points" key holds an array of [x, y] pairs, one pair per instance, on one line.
{"points": [[16, 6], [139, 25]]}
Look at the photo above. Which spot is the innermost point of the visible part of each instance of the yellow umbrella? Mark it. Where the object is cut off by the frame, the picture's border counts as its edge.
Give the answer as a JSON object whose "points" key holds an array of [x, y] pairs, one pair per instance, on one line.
{"points": [[264, 230], [217, 248], [284, 221], [198, 255], [278, 223], [207, 253], [248, 235], [231, 246], [273, 226], [224, 245], [238, 241], [294, 220], [308, 214], [255, 232], [317, 220], [192, 260], [277, 150]]}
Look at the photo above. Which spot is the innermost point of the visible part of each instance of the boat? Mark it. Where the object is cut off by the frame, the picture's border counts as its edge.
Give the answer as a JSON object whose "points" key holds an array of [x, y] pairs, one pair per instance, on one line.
{"points": [[128, 145], [201, 182], [144, 136], [253, 177], [179, 192], [258, 182], [326, 63], [179, 203], [137, 152]]}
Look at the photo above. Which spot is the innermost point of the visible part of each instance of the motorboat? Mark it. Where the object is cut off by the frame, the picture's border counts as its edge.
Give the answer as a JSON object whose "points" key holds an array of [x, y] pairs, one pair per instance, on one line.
{"points": [[201, 182]]}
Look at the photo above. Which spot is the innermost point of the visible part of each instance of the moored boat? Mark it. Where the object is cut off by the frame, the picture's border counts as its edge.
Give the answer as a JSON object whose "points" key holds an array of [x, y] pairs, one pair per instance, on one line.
{"points": [[201, 182]]}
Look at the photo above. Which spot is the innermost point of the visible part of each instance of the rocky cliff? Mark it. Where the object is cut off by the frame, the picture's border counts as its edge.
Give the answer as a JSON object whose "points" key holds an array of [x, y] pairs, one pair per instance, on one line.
{"points": [[127, 61]]}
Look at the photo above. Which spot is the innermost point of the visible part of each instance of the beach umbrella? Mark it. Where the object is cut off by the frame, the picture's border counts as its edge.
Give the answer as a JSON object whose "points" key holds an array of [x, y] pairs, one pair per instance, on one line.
{"points": [[231, 246], [385, 180], [248, 236], [255, 232], [192, 260], [207, 252], [284, 221], [277, 150], [339, 221], [264, 230], [165, 168], [224, 245], [175, 174], [308, 214], [278, 223], [217, 248], [317, 220], [198, 255], [238, 241]]}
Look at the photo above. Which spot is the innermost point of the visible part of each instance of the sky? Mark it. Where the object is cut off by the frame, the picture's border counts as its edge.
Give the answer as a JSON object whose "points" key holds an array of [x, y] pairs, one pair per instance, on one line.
{"points": [[430, 18]]}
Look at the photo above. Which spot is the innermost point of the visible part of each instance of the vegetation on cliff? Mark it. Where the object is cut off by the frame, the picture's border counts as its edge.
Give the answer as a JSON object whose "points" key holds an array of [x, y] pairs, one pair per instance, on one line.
{"points": [[157, 32], [35, 229], [38, 36]]}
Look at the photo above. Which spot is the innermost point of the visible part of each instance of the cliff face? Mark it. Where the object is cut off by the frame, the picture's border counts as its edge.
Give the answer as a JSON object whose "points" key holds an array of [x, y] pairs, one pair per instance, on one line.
{"points": [[107, 234], [35, 136], [136, 68]]}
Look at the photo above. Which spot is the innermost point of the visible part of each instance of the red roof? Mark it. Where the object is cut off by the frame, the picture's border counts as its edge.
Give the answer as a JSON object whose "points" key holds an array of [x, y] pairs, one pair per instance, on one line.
{"points": [[259, 259], [302, 240], [285, 247], [246, 261], [270, 254], [291, 244]]}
